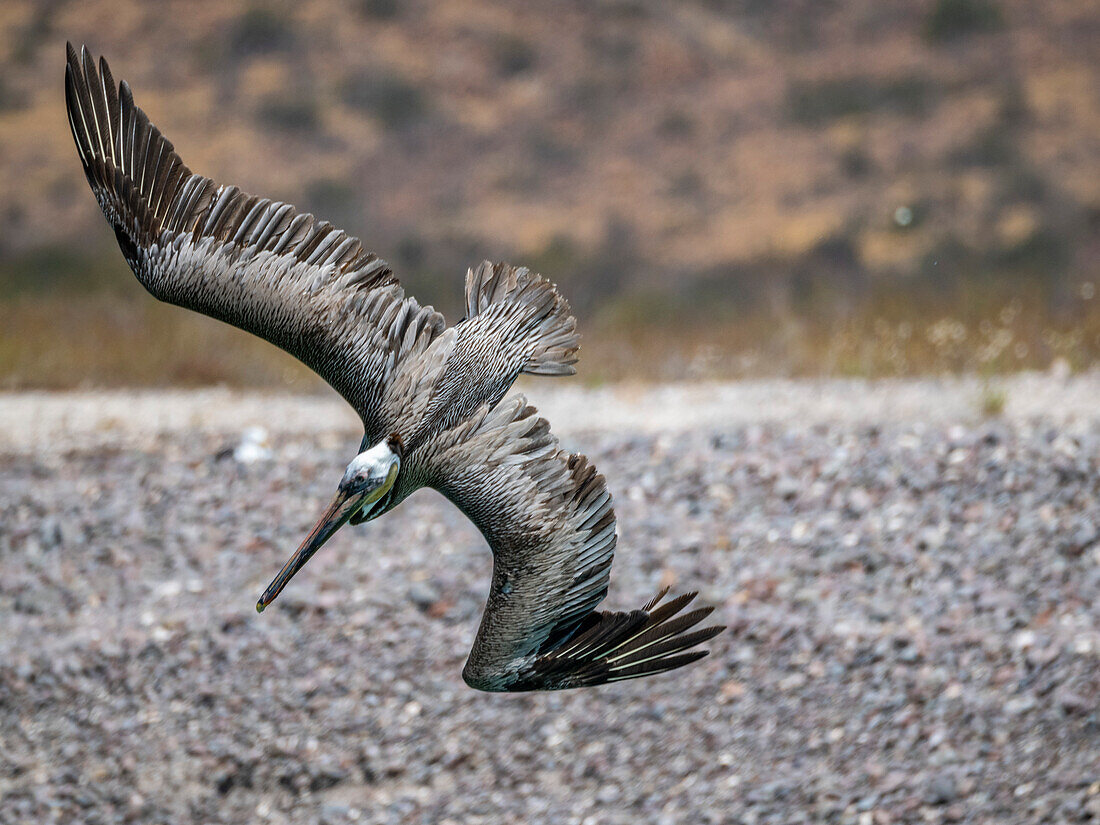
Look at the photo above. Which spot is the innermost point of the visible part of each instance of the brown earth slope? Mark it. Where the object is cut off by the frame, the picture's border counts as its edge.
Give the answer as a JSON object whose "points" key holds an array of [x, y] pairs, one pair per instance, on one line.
{"points": [[744, 156]]}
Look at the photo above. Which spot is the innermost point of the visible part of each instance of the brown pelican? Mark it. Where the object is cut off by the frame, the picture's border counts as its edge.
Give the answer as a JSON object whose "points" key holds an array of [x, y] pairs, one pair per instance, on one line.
{"points": [[431, 397]]}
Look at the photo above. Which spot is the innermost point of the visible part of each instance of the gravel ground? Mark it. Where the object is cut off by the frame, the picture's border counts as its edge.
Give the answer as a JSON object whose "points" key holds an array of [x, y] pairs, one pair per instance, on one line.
{"points": [[911, 592], [41, 420]]}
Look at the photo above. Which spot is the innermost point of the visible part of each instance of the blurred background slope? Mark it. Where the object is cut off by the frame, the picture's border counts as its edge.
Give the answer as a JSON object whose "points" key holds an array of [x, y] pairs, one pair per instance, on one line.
{"points": [[720, 188]]}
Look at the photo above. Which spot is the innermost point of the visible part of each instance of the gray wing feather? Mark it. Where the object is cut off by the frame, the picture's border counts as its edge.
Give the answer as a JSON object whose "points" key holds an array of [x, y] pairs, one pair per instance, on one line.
{"points": [[547, 517], [255, 263]]}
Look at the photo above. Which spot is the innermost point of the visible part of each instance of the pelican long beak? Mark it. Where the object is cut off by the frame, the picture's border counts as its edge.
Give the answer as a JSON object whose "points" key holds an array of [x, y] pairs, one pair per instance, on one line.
{"points": [[369, 476], [343, 507]]}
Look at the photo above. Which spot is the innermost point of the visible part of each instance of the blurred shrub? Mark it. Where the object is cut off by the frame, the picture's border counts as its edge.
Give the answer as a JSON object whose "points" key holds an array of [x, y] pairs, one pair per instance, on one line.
{"points": [[512, 54], [261, 30], [616, 52], [290, 112], [410, 251], [828, 279], [687, 184], [332, 200], [1043, 255], [625, 9], [994, 146], [65, 269], [379, 9], [588, 276], [10, 99], [855, 162], [36, 31], [1040, 259], [391, 99], [593, 97], [675, 124], [551, 150], [814, 102], [998, 143], [1023, 182], [952, 19]]}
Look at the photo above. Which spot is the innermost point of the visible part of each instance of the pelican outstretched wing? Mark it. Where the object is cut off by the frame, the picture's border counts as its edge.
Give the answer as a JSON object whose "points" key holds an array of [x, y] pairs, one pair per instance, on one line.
{"points": [[255, 263], [547, 517]]}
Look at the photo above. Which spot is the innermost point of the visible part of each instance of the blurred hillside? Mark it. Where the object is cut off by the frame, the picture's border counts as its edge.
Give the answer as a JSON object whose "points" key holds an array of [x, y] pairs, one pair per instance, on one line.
{"points": [[720, 187]]}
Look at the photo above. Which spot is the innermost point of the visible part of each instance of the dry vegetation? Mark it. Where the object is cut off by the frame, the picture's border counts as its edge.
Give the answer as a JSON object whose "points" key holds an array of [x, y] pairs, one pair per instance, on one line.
{"points": [[721, 187]]}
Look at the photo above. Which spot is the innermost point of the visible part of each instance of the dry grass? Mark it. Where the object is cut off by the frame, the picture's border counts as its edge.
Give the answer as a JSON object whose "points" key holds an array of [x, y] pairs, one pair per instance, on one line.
{"points": [[127, 339], [104, 340], [993, 400]]}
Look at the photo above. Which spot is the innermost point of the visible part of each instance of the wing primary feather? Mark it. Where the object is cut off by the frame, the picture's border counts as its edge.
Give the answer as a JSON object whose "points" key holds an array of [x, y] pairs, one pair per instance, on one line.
{"points": [[114, 111], [184, 236], [661, 666], [71, 105], [99, 111], [248, 221], [226, 198]]}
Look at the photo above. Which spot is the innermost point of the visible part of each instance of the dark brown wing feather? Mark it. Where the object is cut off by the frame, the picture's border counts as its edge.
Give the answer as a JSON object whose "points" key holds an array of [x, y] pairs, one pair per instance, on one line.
{"points": [[612, 647], [255, 263]]}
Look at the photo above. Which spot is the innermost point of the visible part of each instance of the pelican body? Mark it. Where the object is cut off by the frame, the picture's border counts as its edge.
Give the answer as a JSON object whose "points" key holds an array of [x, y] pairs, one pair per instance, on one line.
{"points": [[431, 397]]}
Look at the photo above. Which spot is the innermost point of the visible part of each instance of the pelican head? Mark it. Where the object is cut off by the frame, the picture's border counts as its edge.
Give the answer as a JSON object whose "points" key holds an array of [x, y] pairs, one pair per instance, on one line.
{"points": [[367, 480]]}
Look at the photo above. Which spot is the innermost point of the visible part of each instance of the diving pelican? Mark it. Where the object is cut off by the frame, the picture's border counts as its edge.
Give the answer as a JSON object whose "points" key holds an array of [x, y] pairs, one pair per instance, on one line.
{"points": [[431, 397]]}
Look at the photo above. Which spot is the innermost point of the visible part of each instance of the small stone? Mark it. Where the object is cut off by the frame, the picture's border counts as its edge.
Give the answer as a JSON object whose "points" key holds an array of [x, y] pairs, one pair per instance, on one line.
{"points": [[1019, 705], [423, 595], [787, 488], [908, 654], [1072, 702], [49, 533], [941, 790]]}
